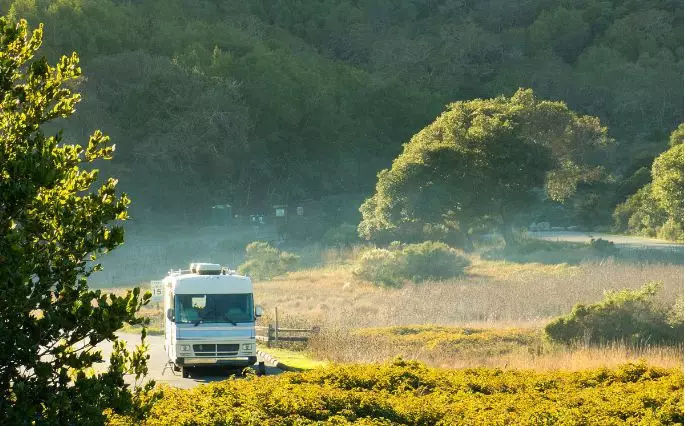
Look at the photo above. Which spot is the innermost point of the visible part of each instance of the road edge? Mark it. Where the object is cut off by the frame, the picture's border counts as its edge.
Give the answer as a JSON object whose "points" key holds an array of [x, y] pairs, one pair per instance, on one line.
{"points": [[278, 364]]}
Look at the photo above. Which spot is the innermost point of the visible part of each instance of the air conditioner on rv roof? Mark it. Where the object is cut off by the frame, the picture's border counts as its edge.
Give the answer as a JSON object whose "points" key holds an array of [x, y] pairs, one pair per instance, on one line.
{"points": [[205, 268]]}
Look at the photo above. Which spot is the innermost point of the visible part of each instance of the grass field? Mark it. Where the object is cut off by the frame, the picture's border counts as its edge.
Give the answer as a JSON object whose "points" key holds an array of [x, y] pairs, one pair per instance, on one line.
{"points": [[507, 294], [507, 302], [471, 350], [469, 347]]}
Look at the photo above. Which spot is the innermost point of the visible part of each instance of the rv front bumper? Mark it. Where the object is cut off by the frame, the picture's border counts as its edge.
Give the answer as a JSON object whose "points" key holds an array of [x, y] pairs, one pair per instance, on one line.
{"points": [[227, 361], [228, 353]]}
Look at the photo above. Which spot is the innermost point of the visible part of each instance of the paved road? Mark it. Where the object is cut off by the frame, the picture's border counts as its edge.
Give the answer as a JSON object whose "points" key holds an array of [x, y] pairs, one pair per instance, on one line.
{"points": [[620, 240], [158, 360]]}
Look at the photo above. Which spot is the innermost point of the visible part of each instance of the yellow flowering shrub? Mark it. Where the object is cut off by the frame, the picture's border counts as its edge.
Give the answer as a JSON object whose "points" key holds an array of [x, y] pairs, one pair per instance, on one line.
{"points": [[456, 340], [404, 392]]}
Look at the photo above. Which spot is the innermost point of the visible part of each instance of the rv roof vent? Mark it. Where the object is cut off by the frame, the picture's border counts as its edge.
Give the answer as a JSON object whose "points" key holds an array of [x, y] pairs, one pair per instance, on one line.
{"points": [[205, 268]]}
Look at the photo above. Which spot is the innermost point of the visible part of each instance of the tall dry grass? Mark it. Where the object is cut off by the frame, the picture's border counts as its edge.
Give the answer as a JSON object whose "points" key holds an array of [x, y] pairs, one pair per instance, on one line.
{"points": [[492, 295], [341, 345]]}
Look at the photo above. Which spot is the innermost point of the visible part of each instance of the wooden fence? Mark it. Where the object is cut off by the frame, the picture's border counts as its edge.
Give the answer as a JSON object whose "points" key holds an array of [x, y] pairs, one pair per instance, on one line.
{"points": [[272, 334]]}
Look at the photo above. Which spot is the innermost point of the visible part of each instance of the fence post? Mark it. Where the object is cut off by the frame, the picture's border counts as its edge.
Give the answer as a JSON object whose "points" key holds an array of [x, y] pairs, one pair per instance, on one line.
{"points": [[276, 339], [269, 335]]}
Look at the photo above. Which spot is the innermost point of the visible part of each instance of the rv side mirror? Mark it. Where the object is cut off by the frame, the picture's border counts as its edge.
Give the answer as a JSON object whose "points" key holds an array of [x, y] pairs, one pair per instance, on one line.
{"points": [[170, 314], [258, 311]]}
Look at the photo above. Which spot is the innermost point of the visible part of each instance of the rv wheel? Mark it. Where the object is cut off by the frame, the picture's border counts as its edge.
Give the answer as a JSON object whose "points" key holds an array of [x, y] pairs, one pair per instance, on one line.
{"points": [[184, 372]]}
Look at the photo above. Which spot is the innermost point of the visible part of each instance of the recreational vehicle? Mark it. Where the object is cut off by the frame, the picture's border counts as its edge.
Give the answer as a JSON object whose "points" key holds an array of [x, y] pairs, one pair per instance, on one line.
{"points": [[210, 318]]}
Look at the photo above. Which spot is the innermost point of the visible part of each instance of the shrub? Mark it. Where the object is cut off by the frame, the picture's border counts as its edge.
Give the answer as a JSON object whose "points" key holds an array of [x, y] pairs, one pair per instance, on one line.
{"points": [[380, 266], [341, 235], [603, 246], [406, 392], [263, 262], [415, 262], [432, 261], [629, 315]]}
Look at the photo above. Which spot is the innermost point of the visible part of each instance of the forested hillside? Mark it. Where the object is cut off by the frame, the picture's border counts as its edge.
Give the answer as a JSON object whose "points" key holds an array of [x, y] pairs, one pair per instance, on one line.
{"points": [[255, 103]]}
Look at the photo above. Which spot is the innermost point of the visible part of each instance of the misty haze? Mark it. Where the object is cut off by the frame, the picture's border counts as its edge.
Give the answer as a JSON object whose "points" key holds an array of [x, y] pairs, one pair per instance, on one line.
{"points": [[337, 211]]}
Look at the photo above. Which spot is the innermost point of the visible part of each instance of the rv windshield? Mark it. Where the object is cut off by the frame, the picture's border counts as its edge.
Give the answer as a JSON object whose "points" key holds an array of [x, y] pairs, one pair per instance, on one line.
{"points": [[213, 308]]}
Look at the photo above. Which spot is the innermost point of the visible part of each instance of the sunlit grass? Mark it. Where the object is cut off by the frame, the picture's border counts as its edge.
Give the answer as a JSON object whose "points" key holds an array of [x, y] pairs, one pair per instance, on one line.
{"points": [[512, 301], [503, 270], [468, 347], [299, 360]]}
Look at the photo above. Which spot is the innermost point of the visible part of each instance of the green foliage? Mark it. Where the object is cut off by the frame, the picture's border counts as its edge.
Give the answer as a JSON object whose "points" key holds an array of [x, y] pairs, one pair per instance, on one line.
{"points": [[503, 147], [639, 214], [677, 136], [273, 100], [416, 262], [667, 182], [380, 266], [432, 261], [341, 235], [632, 184], [671, 230], [656, 209], [405, 392], [54, 223], [631, 316], [263, 262]]}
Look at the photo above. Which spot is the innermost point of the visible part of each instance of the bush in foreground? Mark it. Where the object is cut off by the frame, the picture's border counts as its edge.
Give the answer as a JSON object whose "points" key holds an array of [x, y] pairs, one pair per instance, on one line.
{"points": [[411, 393], [263, 262], [631, 316], [416, 262], [56, 219]]}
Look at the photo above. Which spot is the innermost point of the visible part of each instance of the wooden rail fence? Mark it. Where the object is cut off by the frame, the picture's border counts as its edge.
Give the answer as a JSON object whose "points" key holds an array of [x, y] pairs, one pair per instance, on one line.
{"points": [[272, 333]]}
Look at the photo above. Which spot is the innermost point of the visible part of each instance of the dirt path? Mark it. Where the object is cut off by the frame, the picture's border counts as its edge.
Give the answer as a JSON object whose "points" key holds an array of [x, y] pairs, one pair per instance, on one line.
{"points": [[620, 240]]}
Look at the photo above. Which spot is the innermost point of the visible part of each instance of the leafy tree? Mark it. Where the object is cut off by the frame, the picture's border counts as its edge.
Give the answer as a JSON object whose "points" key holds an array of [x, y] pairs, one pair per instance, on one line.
{"points": [[563, 30], [639, 214], [667, 177], [263, 262], [481, 162], [315, 97], [656, 209], [54, 222]]}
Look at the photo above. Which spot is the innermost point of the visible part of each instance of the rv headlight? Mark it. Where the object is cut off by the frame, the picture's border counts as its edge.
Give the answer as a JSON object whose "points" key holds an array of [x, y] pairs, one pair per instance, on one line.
{"points": [[185, 348], [247, 346]]}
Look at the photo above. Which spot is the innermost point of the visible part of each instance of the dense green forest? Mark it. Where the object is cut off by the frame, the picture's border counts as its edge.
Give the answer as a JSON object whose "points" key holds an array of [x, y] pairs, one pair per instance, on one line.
{"points": [[261, 102]]}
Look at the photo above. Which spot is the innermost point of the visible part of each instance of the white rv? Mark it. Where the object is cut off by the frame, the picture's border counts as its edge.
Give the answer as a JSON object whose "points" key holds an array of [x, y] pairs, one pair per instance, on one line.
{"points": [[210, 318]]}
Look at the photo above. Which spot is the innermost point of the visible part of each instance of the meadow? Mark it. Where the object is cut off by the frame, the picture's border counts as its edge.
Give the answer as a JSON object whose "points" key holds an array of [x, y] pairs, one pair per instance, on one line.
{"points": [[492, 316], [501, 306], [470, 349]]}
